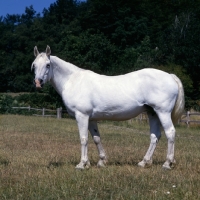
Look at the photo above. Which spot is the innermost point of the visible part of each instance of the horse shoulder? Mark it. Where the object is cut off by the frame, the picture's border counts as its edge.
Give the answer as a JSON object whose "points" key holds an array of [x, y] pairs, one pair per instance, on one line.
{"points": [[76, 89]]}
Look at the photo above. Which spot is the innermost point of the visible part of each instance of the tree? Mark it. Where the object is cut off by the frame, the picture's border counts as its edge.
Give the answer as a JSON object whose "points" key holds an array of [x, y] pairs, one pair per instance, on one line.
{"points": [[109, 37]]}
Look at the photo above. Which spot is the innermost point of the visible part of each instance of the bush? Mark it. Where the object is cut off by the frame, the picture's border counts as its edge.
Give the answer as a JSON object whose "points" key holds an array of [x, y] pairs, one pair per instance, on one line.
{"points": [[5, 103], [35, 100]]}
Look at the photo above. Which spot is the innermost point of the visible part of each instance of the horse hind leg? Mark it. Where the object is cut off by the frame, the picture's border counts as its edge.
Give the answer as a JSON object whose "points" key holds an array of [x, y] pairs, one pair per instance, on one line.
{"points": [[165, 119], [93, 128], [155, 134]]}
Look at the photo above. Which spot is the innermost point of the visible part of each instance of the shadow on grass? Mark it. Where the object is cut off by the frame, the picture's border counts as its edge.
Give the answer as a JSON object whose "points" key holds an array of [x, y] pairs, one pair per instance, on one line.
{"points": [[55, 164], [134, 163], [121, 163], [4, 161]]}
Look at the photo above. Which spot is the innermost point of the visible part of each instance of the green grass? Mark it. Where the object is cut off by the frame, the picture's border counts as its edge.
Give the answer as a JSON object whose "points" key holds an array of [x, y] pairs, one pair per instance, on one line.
{"points": [[38, 158]]}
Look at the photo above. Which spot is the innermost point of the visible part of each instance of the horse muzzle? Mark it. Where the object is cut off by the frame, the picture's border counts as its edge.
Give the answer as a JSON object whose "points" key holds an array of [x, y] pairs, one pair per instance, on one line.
{"points": [[38, 83]]}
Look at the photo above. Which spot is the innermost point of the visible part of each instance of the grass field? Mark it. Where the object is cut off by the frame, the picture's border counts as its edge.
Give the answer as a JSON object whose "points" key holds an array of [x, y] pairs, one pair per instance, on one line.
{"points": [[38, 158]]}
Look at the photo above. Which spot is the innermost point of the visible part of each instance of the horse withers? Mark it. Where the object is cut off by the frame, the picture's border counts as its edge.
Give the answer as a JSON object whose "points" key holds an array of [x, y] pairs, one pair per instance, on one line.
{"points": [[91, 97]]}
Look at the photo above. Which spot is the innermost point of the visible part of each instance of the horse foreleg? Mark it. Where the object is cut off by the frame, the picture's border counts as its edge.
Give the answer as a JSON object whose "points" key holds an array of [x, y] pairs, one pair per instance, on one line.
{"points": [[154, 137], [93, 128], [82, 122]]}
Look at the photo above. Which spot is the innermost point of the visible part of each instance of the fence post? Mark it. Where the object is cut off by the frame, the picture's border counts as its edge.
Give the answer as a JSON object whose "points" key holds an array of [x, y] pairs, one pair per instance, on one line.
{"points": [[43, 112], [59, 113], [140, 118], [29, 108], [188, 118]]}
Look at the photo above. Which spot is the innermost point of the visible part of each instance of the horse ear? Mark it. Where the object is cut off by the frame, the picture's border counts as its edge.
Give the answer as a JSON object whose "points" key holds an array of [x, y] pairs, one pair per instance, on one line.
{"points": [[36, 52], [48, 51]]}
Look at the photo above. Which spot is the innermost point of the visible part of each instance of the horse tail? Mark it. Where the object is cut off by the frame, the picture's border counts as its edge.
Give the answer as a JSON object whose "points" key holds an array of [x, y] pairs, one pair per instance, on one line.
{"points": [[180, 101]]}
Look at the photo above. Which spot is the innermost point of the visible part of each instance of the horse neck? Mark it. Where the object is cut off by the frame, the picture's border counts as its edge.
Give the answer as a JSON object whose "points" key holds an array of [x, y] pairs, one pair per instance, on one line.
{"points": [[61, 72]]}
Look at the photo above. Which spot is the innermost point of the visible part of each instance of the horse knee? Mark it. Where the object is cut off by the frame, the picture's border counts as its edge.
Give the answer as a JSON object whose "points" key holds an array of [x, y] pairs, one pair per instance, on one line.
{"points": [[96, 139], [84, 140]]}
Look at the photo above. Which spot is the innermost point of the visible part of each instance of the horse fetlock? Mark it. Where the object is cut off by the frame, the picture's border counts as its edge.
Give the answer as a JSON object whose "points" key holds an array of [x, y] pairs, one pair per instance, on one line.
{"points": [[102, 156], [170, 158], [148, 163]]}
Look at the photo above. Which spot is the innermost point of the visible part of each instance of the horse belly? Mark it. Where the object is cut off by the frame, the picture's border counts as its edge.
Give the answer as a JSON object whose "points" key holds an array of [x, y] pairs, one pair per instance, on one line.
{"points": [[116, 114]]}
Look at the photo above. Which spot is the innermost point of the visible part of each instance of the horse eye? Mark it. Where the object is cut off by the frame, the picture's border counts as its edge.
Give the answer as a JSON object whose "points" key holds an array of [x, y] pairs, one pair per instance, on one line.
{"points": [[48, 65]]}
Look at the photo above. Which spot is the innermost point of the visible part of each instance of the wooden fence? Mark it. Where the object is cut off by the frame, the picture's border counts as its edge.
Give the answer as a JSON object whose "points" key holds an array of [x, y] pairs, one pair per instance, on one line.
{"points": [[187, 118], [58, 113]]}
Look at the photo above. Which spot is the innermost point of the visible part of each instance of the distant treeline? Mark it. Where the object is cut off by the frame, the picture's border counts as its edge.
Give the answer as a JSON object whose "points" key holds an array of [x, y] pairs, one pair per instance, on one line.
{"points": [[109, 37]]}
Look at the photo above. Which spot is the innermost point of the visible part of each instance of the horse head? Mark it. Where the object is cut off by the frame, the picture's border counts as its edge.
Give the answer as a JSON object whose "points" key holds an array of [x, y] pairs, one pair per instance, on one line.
{"points": [[41, 66]]}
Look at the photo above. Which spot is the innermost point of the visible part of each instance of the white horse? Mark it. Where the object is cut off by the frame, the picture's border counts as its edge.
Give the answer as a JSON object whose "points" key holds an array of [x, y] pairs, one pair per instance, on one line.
{"points": [[90, 97]]}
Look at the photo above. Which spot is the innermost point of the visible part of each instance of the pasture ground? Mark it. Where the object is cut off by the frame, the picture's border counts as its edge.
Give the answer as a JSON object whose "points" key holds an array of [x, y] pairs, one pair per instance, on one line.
{"points": [[38, 158]]}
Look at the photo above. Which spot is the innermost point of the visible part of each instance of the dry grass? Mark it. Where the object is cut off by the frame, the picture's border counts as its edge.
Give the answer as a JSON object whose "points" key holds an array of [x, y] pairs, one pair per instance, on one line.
{"points": [[38, 156]]}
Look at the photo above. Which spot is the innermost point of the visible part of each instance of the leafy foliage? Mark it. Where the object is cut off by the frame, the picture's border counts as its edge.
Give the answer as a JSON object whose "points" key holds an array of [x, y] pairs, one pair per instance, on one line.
{"points": [[109, 37], [34, 100], [5, 103]]}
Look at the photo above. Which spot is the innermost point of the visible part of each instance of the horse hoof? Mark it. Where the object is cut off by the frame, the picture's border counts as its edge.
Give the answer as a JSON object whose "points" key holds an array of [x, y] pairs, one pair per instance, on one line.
{"points": [[101, 163], [141, 164], [166, 166], [79, 167], [82, 166]]}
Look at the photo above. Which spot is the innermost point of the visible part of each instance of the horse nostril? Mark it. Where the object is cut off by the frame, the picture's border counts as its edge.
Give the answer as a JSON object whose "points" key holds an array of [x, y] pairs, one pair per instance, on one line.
{"points": [[38, 83], [41, 81]]}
